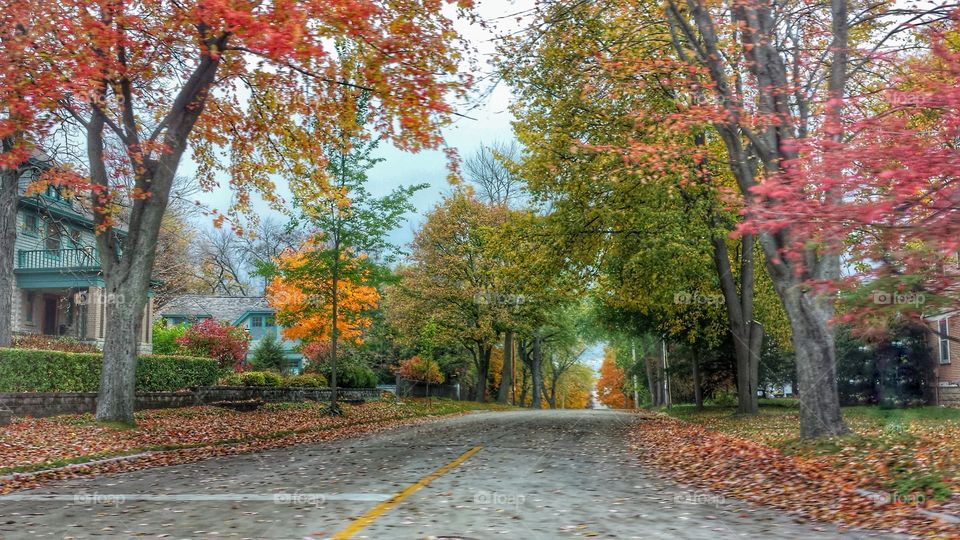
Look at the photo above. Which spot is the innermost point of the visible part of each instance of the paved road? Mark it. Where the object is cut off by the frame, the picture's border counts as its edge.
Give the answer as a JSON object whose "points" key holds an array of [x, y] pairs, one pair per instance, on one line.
{"points": [[546, 474]]}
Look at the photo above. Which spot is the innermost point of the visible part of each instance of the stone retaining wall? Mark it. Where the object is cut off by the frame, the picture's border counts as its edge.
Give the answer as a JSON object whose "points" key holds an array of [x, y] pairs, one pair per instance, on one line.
{"points": [[406, 388], [39, 404], [948, 396]]}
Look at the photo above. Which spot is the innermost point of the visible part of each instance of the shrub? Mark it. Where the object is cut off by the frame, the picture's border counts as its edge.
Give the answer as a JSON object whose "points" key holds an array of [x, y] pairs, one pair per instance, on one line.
{"points": [[232, 378], [268, 355], [253, 378], [25, 370], [165, 337], [156, 373], [316, 355], [356, 376], [225, 343], [52, 343], [308, 381], [272, 379], [260, 378]]}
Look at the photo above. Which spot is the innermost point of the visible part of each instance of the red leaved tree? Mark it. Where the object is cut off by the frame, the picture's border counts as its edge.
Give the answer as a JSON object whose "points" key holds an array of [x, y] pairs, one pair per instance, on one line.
{"points": [[225, 343], [898, 181], [28, 93], [233, 81], [422, 370]]}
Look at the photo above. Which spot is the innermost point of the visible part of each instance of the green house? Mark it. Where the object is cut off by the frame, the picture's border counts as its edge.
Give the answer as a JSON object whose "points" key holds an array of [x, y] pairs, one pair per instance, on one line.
{"points": [[250, 312], [59, 288]]}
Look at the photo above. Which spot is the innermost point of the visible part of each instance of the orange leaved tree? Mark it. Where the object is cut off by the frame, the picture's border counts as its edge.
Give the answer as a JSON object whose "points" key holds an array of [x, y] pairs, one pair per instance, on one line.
{"points": [[611, 383], [308, 297]]}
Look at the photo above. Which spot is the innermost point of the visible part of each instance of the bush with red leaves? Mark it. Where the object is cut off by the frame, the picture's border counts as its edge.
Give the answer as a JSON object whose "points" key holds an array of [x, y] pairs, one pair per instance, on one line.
{"points": [[225, 343]]}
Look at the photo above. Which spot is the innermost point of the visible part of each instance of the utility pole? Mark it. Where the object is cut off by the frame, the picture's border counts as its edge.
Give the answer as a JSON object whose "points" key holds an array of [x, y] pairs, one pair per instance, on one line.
{"points": [[666, 374], [636, 394]]}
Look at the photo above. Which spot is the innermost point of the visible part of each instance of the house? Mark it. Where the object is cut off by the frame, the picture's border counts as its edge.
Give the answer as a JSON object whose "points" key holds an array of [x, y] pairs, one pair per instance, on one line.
{"points": [[946, 357], [58, 286], [250, 312]]}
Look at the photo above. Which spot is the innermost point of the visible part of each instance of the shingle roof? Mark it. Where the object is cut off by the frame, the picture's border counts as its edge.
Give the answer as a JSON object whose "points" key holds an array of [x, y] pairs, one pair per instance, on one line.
{"points": [[221, 308]]}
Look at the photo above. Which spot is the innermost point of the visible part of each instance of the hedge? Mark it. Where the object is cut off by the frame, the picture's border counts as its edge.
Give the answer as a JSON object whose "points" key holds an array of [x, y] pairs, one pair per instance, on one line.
{"points": [[27, 370]]}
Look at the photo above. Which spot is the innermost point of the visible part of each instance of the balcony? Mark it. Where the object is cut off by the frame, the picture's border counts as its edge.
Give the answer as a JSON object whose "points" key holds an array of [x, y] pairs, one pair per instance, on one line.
{"points": [[85, 260]]}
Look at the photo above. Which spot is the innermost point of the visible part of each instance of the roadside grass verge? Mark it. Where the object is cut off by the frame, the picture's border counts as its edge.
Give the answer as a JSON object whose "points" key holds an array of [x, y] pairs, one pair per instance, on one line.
{"points": [[907, 454]]}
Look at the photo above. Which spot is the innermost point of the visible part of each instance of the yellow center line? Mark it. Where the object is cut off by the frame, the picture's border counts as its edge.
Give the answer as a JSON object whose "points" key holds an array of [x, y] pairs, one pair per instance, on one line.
{"points": [[397, 498]]}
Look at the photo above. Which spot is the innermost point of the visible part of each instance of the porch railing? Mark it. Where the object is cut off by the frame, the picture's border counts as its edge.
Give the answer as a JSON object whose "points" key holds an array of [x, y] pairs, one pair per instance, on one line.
{"points": [[58, 259]]}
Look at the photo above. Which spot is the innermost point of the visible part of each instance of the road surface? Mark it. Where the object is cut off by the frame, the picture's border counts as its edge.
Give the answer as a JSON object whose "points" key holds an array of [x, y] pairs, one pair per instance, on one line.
{"points": [[510, 475]]}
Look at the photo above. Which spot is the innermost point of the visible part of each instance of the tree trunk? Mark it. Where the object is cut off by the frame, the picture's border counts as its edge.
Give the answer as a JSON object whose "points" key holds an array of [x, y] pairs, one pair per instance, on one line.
{"points": [[127, 270], [535, 371], [740, 321], [651, 382], [334, 334], [809, 316], [552, 400], [523, 381], [8, 239], [813, 341], [697, 383], [125, 301], [483, 372], [756, 349], [506, 377]]}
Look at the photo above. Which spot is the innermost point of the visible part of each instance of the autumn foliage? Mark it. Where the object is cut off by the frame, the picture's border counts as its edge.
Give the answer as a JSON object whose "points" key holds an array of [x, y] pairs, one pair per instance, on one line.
{"points": [[898, 184], [611, 383], [225, 343], [302, 297], [420, 369]]}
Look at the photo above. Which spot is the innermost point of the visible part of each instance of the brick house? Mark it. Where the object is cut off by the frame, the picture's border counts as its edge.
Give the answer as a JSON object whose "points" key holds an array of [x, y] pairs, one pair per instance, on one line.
{"points": [[58, 285], [250, 312], [946, 357]]}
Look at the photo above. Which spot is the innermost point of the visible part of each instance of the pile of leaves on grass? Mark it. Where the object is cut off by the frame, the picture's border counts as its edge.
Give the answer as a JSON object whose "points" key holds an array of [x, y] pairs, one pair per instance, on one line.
{"points": [[173, 436], [810, 487], [910, 455]]}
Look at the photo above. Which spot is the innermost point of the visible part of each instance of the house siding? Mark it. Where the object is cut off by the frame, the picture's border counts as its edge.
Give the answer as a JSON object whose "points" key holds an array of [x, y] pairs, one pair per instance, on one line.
{"points": [[32, 241], [947, 373], [77, 286]]}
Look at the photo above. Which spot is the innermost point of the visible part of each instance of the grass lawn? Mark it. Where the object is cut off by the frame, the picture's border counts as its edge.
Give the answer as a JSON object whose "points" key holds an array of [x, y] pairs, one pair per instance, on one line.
{"points": [[30, 444], [908, 453]]}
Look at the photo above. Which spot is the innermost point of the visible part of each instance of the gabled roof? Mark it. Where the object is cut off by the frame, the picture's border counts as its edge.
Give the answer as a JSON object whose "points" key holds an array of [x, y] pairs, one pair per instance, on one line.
{"points": [[72, 208], [222, 308]]}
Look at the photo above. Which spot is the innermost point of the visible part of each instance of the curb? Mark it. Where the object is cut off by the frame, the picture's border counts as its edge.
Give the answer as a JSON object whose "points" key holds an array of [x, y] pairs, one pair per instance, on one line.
{"points": [[72, 466]]}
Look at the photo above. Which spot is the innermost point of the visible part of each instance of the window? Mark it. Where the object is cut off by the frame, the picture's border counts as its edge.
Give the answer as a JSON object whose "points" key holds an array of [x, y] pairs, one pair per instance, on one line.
{"points": [[75, 235], [31, 224], [53, 236], [256, 321], [943, 328], [28, 307], [270, 322]]}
